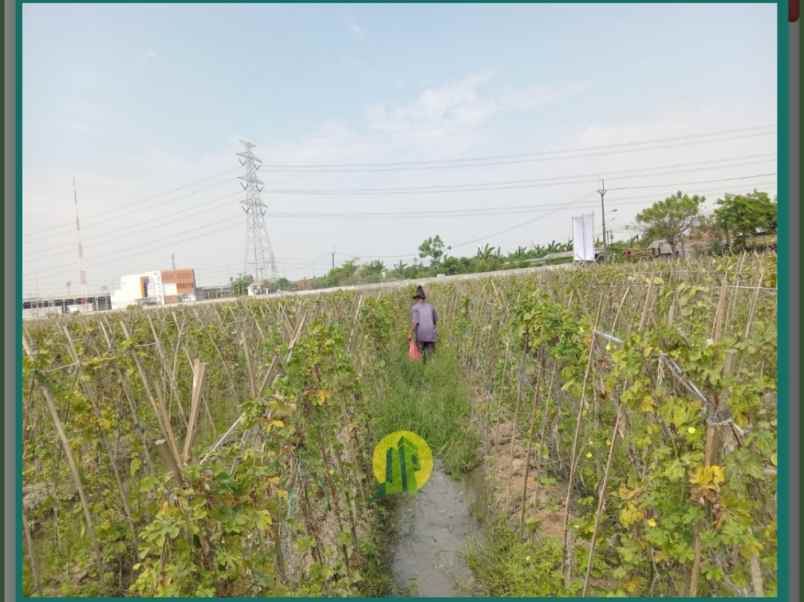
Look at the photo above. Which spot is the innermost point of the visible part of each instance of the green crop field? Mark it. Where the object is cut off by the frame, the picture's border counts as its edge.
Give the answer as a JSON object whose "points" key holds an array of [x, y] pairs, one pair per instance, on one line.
{"points": [[225, 449]]}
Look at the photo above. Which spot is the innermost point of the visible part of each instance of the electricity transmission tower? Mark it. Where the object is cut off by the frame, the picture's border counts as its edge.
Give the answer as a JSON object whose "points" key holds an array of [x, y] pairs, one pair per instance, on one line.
{"points": [[259, 254]]}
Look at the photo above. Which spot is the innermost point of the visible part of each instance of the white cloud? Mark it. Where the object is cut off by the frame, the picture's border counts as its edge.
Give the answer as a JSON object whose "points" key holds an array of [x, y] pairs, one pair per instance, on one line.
{"points": [[460, 106], [535, 97], [436, 112], [451, 119], [151, 54]]}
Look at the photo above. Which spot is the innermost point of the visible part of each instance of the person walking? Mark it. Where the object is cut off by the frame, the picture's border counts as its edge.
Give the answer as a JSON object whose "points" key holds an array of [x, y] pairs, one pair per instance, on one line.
{"points": [[424, 321]]}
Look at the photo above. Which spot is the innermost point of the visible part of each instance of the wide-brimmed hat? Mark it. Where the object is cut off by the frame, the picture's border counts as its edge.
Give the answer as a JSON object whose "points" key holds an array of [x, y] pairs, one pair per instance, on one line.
{"points": [[419, 293]]}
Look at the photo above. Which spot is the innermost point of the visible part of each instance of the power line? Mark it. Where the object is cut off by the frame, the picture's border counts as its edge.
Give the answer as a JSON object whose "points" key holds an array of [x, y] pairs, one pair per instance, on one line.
{"points": [[571, 205], [218, 226], [700, 191], [137, 205], [196, 233], [480, 212], [773, 173], [470, 161], [153, 226], [450, 188], [500, 185]]}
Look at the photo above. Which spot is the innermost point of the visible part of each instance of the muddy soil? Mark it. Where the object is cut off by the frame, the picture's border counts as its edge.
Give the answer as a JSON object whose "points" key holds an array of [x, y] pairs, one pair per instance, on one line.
{"points": [[433, 526], [504, 464]]}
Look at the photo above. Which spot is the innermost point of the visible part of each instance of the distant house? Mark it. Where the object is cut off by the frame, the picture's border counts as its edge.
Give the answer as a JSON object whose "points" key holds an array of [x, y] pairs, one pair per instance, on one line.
{"points": [[255, 290], [661, 248], [163, 287], [179, 285]]}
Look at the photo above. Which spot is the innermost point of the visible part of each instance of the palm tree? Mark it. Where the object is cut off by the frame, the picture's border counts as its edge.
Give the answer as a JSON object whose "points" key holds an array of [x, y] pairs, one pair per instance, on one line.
{"points": [[485, 252], [399, 269]]}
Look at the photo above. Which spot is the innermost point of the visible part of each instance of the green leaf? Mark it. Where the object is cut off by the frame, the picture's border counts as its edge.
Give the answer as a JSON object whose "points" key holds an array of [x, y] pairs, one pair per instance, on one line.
{"points": [[343, 538]]}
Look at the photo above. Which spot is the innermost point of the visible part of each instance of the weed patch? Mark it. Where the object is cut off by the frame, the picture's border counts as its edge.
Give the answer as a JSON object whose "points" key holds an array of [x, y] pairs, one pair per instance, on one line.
{"points": [[433, 401]]}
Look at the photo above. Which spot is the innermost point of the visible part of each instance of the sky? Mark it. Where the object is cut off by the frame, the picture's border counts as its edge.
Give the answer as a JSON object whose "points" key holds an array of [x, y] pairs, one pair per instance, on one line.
{"points": [[377, 125]]}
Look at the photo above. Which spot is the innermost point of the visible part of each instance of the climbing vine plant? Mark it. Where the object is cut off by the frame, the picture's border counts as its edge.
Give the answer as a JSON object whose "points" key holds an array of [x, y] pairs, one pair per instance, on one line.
{"points": [[223, 449]]}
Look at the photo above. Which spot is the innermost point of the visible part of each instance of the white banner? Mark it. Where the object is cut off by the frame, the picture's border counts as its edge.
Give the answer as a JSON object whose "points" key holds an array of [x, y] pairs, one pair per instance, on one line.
{"points": [[583, 241]]}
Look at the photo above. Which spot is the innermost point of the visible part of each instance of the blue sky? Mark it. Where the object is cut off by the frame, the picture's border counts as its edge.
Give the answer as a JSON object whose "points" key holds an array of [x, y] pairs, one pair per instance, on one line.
{"points": [[138, 100]]}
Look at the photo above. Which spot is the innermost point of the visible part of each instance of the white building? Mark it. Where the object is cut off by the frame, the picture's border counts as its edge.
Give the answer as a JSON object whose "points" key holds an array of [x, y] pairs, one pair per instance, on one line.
{"points": [[138, 288], [155, 288], [255, 290]]}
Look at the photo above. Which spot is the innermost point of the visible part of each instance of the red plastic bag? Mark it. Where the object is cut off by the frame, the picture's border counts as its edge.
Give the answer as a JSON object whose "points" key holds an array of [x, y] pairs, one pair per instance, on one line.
{"points": [[413, 351]]}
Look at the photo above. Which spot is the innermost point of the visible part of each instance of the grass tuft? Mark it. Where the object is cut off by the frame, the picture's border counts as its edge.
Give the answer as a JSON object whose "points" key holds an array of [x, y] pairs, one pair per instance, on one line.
{"points": [[433, 401]]}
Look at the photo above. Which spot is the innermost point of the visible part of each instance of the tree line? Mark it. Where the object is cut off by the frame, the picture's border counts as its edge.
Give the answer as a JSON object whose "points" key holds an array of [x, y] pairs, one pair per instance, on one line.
{"points": [[676, 220]]}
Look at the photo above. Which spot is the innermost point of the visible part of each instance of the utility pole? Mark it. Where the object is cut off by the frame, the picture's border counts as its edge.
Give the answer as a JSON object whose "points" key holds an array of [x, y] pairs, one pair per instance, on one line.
{"points": [[333, 258], [602, 193], [173, 261], [258, 245], [82, 275]]}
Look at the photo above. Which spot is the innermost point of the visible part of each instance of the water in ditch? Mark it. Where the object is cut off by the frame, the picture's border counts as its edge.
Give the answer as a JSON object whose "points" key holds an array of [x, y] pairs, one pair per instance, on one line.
{"points": [[433, 527]]}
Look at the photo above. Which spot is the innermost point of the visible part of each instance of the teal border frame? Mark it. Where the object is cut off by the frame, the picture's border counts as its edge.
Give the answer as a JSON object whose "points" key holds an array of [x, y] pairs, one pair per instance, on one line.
{"points": [[782, 311], [783, 261]]}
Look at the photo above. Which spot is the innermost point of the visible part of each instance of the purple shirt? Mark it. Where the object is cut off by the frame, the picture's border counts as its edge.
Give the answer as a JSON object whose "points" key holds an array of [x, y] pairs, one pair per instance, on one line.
{"points": [[424, 316]]}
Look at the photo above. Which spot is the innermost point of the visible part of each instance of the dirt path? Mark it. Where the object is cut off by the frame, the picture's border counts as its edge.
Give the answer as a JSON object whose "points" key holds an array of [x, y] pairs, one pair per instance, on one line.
{"points": [[433, 526]]}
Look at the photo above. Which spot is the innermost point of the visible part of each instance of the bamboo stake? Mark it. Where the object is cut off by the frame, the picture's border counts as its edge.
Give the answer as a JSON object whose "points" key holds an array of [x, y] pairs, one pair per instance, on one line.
{"points": [[175, 370], [349, 501], [335, 503], [166, 372], [711, 449], [129, 399], [601, 501], [204, 400], [644, 317], [619, 308], [754, 301], [51, 406], [573, 455], [102, 437], [198, 381], [223, 438], [543, 432], [26, 529], [756, 577], [527, 460], [256, 322], [159, 409], [541, 442], [265, 378], [354, 323], [252, 384], [226, 367], [733, 300], [717, 325], [310, 524], [167, 456], [515, 420]]}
